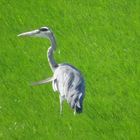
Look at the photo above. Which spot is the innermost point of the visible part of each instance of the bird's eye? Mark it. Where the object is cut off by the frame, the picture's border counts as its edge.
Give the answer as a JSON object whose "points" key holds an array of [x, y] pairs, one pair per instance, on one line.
{"points": [[44, 29]]}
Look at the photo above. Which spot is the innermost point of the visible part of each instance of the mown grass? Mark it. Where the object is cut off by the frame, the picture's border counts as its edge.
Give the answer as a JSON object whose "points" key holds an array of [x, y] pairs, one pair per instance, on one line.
{"points": [[99, 37]]}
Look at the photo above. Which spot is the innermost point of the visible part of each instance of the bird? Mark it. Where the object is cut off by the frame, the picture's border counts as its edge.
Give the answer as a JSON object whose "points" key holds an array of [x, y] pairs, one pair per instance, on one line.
{"points": [[67, 80]]}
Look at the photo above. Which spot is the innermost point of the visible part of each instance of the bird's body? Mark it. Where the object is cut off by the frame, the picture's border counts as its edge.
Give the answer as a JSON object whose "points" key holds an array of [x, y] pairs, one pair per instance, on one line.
{"points": [[69, 82], [66, 79]]}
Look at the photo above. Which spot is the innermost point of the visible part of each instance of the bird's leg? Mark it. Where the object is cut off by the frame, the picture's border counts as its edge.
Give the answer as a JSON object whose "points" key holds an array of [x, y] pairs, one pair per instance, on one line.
{"points": [[74, 111], [50, 79], [61, 104]]}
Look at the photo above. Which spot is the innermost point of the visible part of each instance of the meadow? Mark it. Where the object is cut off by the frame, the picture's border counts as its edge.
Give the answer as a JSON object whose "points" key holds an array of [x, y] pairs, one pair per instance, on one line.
{"points": [[99, 37]]}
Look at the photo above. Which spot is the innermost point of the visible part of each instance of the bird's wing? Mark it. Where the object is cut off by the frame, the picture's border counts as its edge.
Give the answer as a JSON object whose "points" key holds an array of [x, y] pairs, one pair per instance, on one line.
{"points": [[50, 79]]}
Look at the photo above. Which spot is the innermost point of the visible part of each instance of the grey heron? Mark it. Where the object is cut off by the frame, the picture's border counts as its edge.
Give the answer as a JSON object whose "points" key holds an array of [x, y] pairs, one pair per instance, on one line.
{"points": [[66, 79]]}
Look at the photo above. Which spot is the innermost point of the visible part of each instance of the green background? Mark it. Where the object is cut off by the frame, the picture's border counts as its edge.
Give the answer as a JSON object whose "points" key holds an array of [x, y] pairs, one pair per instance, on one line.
{"points": [[99, 37]]}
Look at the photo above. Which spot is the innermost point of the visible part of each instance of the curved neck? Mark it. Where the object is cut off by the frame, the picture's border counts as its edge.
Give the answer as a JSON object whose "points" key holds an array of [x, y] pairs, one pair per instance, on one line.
{"points": [[51, 60], [53, 42]]}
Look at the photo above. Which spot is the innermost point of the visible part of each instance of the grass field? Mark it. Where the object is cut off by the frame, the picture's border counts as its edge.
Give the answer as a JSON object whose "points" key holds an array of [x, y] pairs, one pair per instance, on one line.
{"points": [[99, 37]]}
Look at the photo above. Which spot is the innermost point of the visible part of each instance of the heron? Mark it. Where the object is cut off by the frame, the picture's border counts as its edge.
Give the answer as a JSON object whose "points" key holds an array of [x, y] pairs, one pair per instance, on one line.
{"points": [[66, 80]]}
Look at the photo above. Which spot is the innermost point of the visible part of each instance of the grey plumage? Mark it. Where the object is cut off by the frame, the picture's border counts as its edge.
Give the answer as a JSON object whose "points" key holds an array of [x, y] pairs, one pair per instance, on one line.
{"points": [[66, 79], [70, 84]]}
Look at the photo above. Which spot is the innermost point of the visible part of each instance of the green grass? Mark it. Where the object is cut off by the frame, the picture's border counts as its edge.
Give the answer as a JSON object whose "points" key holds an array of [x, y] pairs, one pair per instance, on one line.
{"points": [[99, 37]]}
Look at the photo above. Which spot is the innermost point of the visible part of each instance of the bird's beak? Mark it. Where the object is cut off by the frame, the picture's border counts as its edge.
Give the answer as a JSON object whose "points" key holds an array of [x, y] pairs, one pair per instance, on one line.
{"points": [[30, 33]]}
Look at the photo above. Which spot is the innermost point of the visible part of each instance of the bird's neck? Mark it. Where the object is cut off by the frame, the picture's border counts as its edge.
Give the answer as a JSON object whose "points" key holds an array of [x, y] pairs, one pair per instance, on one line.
{"points": [[51, 60], [53, 42]]}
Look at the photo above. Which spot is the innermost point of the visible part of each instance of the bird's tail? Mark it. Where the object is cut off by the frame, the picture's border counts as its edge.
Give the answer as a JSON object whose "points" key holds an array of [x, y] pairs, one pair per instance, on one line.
{"points": [[79, 109], [79, 104]]}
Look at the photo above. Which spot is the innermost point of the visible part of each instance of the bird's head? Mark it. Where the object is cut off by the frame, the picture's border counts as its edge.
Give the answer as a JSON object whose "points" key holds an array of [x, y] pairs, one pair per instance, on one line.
{"points": [[44, 32]]}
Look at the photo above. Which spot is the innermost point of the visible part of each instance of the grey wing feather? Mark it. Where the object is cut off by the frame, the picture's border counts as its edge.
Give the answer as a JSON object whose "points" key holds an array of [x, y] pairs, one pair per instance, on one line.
{"points": [[50, 79]]}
